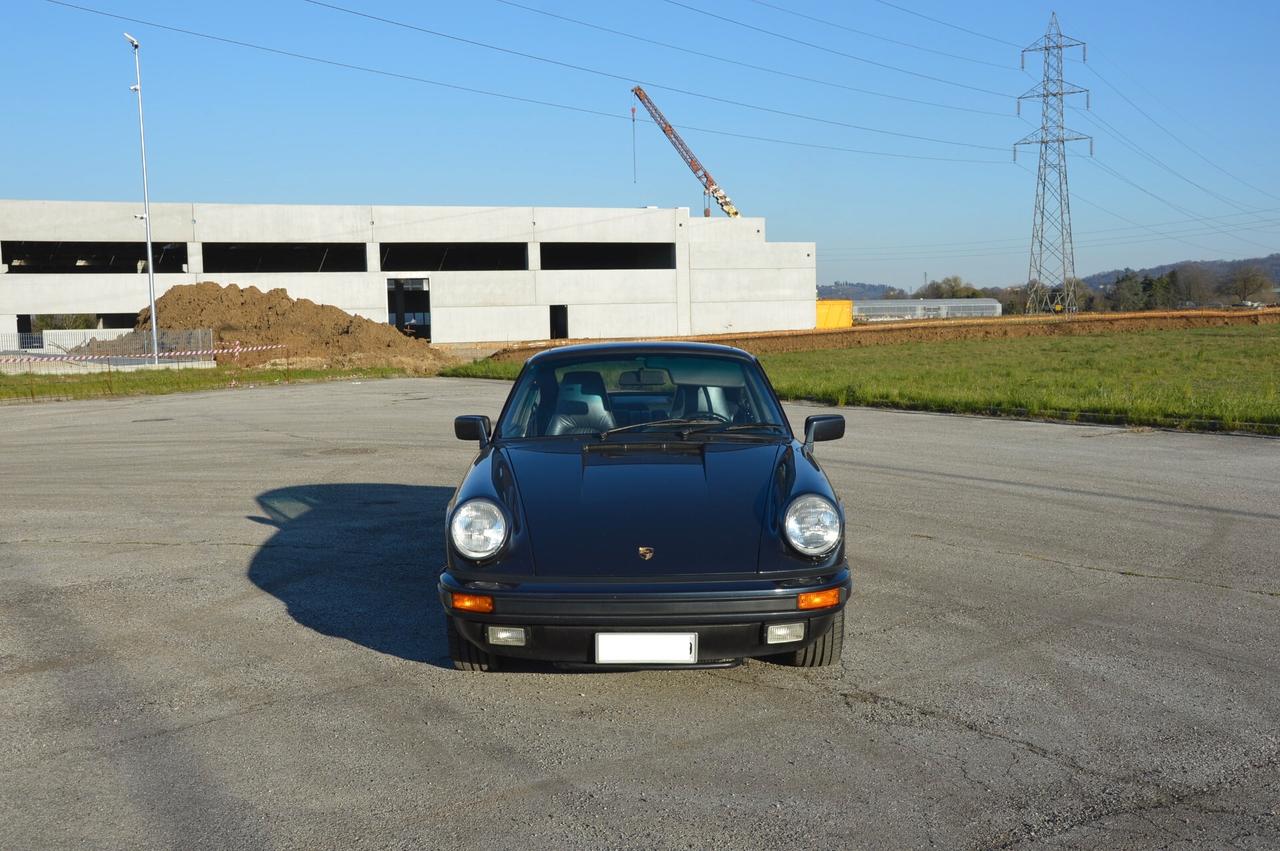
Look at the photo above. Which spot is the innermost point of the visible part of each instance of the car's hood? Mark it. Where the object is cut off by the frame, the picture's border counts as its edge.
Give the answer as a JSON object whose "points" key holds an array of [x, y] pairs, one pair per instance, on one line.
{"points": [[697, 506]]}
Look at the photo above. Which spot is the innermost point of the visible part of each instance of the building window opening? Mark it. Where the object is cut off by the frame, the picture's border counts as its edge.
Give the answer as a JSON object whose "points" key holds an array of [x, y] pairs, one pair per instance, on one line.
{"points": [[454, 256], [608, 255], [559, 322], [223, 257], [26, 257], [409, 306]]}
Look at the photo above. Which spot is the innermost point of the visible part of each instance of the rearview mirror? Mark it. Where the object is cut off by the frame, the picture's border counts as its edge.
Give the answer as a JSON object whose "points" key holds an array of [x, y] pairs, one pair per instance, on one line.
{"points": [[823, 427], [643, 378], [473, 427]]}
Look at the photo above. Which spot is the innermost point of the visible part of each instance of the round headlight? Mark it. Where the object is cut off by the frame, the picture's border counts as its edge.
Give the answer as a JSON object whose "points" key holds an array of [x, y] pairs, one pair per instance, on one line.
{"points": [[478, 528], [813, 525]]}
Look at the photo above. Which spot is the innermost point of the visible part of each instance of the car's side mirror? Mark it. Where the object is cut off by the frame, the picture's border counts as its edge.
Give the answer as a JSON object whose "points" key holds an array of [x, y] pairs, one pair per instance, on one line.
{"points": [[822, 427], [474, 427]]}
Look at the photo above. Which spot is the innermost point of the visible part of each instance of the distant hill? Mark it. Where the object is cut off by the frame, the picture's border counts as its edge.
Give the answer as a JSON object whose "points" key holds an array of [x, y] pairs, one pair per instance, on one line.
{"points": [[1218, 269], [858, 290]]}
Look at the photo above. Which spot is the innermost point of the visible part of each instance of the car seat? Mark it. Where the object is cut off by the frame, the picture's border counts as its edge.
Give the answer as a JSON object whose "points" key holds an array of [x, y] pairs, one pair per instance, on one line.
{"points": [[582, 405]]}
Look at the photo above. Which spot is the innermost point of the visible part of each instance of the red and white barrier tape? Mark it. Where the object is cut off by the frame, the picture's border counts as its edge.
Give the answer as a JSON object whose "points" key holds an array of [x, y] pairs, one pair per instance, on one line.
{"points": [[144, 356]]}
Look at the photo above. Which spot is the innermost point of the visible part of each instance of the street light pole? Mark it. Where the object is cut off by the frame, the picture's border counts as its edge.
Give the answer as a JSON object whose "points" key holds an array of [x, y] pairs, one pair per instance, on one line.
{"points": [[136, 88]]}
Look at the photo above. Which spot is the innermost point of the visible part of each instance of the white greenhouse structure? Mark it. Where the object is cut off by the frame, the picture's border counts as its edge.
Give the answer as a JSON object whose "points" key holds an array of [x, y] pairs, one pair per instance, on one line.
{"points": [[880, 310]]}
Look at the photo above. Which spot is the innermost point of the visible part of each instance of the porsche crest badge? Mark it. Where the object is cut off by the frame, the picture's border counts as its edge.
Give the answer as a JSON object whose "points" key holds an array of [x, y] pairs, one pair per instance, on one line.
{"points": [[646, 553]]}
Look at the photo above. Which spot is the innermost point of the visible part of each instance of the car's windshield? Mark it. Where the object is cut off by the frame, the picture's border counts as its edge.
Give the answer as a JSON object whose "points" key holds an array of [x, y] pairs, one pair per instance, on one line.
{"points": [[636, 394]]}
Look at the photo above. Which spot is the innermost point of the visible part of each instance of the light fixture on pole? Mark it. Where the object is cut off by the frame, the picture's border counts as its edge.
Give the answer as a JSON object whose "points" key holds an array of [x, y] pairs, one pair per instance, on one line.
{"points": [[136, 88]]}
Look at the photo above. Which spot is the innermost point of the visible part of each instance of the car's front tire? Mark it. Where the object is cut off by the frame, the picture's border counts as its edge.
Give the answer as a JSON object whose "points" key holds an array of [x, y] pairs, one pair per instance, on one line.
{"points": [[825, 651], [465, 655]]}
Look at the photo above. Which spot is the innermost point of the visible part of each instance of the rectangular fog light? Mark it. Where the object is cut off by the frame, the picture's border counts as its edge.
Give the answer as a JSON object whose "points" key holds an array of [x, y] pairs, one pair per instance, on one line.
{"points": [[781, 633], [509, 635]]}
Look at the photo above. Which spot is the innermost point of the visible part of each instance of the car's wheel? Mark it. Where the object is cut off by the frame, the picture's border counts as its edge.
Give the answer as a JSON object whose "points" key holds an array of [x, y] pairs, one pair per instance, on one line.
{"points": [[824, 651], [465, 655]]}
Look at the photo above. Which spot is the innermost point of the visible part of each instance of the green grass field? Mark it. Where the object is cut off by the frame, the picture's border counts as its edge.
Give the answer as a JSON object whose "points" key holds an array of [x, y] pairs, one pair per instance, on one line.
{"points": [[38, 387], [1203, 379]]}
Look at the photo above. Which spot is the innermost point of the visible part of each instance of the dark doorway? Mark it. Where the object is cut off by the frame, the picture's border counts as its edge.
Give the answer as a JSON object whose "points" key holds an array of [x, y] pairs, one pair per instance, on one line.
{"points": [[409, 305], [559, 322]]}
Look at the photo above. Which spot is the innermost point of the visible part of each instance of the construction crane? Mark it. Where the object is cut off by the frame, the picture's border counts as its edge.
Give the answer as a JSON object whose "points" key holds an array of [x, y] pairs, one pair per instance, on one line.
{"points": [[711, 188]]}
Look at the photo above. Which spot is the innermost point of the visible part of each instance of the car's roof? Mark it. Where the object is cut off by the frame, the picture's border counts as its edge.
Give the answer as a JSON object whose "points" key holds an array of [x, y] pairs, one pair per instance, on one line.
{"points": [[673, 347]]}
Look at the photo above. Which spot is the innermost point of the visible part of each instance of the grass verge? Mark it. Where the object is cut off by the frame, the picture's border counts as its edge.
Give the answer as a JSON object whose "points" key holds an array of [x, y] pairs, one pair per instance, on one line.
{"points": [[34, 387], [1199, 379]]}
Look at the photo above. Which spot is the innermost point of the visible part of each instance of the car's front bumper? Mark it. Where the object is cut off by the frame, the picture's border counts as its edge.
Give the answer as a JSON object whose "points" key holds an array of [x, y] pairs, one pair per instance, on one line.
{"points": [[561, 620]]}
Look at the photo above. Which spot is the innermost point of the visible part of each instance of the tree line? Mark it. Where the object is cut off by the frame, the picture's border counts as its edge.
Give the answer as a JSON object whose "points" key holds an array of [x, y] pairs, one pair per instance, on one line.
{"points": [[1184, 286]]}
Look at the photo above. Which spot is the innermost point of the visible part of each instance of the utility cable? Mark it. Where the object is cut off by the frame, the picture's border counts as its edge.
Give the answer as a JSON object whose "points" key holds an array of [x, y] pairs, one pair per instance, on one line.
{"points": [[489, 93], [1114, 173], [1008, 251], [649, 83], [1077, 196], [1109, 129], [1022, 239], [866, 34], [1176, 138], [947, 24], [741, 64], [835, 52]]}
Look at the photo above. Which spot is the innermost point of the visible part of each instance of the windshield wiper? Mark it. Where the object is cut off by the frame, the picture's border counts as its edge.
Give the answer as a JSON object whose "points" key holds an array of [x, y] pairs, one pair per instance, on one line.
{"points": [[721, 427], [673, 421]]}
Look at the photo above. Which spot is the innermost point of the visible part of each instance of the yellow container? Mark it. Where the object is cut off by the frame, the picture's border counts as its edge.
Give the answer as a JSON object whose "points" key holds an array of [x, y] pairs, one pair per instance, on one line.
{"points": [[834, 313]]}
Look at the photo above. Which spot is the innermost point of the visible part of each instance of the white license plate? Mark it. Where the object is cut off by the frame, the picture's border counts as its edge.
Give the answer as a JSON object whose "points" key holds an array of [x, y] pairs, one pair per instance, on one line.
{"points": [[646, 648]]}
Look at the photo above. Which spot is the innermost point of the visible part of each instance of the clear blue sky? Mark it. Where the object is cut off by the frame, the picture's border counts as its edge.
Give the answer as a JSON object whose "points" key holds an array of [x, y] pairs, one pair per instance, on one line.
{"points": [[229, 123]]}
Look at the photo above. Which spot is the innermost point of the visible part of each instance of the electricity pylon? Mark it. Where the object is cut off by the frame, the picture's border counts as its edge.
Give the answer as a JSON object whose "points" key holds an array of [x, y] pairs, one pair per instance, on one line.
{"points": [[1051, 278]]}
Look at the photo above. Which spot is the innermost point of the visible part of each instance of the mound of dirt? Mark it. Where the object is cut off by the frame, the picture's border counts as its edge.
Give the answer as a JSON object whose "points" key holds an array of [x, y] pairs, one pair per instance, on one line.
{"points": [[309, 332]]}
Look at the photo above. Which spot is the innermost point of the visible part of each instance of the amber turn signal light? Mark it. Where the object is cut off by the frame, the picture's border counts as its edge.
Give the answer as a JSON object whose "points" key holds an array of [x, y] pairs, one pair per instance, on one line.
{"points": [[815, 599], [473, 602]]}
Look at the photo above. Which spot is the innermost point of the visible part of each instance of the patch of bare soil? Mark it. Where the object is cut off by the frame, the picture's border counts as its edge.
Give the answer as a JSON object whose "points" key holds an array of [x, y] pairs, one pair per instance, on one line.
{"points": [[890, 333]]}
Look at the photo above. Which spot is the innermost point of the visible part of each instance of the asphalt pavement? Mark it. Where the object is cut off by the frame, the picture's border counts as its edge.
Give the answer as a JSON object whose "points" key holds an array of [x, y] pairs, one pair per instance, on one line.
{"points": [[218, 629]]}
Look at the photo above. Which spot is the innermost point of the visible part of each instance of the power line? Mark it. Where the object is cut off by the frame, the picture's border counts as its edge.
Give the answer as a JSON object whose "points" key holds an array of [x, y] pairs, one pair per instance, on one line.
{"points": [[486, 92], [1108, 169], [946, 24], [741, 64], [833, 122], [1020, 239], [1109, 129], [833, 51], [1093, 70], [999, 251], [1122, 218], [822, 147], [907, 44], [1176, 138]]}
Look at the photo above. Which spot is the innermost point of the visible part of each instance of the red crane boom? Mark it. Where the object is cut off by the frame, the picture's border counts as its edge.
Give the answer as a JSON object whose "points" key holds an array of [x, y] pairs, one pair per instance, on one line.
{"points": [[686, 153]]}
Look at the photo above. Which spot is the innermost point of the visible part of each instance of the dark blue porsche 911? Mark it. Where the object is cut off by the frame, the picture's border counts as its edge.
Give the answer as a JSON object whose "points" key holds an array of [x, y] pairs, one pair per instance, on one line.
{"points": [[644, 505]]}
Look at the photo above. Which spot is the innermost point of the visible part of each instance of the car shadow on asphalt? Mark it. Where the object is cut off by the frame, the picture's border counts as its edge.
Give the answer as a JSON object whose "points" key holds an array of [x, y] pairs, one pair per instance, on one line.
{"points": [[359, 562]]}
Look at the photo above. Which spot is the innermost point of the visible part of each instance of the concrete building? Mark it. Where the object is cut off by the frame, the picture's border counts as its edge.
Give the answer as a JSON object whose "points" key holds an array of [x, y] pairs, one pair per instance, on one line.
{"points": [[871, 310], [471, 273]]}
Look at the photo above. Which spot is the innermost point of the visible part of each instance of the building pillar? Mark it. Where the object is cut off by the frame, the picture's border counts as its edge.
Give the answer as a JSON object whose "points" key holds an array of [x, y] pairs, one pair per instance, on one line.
{"points": [[372, 257], [195, 260], [684, 287], [535, 256]]}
